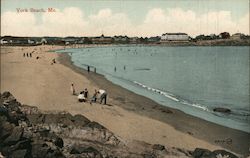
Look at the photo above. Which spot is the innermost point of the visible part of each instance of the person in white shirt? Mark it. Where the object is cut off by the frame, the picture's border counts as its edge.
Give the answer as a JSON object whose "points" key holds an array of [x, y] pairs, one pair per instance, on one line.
{"points": [[103, 96], [81, 97]]}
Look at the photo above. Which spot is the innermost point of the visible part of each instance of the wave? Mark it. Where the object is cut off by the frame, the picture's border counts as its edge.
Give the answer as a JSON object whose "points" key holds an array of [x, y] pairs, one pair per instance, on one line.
{"points": [[172, 97], [236, 114]]}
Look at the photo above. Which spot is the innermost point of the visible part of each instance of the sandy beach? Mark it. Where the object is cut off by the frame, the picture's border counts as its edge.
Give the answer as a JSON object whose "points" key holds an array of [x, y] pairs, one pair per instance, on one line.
{"points": [[39, 83]]}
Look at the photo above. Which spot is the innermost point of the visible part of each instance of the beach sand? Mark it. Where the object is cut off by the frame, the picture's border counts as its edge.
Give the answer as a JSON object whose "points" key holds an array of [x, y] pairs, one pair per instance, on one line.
{"points": [[38, 83]]}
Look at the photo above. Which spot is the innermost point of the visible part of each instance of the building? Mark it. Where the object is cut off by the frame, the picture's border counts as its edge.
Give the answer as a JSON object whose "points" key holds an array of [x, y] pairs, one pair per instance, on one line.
{"points": [[121, 39], [4, 41], [134, 40], [102, 40], [237, 36], [154, 39], [174, 37]]}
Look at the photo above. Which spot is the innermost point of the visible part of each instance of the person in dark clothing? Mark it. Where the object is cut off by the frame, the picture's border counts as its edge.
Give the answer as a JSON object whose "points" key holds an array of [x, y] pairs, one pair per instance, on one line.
{"points": [[88, 69], [85, 93]]}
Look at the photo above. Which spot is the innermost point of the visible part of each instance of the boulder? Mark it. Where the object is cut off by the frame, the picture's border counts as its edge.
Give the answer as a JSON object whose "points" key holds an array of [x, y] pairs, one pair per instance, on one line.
{"points": [[15, 136], [95, 125], [36, 118], [19, 153], [149, 155], [6, 95], [59, 142], [203, 153], [80, 120], [86, 150], [6, 129], [224, 153], [158, 147], [222, 110], [41, 150]]}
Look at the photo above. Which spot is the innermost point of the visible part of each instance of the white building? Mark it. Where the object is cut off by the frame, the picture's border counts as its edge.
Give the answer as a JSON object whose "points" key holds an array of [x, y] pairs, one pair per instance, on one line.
{"points": [[3, 41], [237, 36], [174, 37]]}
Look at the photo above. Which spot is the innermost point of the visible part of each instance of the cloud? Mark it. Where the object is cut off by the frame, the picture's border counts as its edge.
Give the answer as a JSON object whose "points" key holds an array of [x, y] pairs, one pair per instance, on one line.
{"points": [[72, 21], [107, 22], [158, 21], [17, 24]]}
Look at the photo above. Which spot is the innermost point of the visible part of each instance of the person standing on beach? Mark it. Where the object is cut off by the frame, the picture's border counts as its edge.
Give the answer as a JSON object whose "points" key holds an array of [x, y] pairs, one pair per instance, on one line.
{"points": [[88, 69], [72, 89], [85, 93], [93, 99], [103, 96]]}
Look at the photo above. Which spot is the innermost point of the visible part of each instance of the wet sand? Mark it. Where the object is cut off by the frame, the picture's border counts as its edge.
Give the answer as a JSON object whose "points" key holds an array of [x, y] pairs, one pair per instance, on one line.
{"points": [[130, 116]]}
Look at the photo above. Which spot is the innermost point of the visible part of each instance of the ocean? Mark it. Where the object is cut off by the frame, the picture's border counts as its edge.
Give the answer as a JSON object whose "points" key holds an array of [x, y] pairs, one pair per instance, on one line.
{"points": [[194, 80]]}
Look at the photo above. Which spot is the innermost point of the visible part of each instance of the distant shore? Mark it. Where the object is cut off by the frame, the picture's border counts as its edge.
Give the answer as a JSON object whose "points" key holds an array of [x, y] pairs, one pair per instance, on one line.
{"points": [[215, 42], [37, 82]]}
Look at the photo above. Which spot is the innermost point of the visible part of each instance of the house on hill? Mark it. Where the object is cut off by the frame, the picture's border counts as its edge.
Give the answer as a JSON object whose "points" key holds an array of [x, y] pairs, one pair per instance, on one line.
{"points": [[121, 39], [102, 40]]}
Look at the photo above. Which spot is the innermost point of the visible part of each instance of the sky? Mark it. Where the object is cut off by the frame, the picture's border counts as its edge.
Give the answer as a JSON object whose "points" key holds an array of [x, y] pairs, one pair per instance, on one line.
{"points": [[143, 18]]}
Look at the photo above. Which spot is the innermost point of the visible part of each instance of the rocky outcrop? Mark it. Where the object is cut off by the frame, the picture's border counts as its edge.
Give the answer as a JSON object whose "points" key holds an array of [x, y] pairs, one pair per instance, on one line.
{"points": [[25, 131], [204, 153], [19, 138]]}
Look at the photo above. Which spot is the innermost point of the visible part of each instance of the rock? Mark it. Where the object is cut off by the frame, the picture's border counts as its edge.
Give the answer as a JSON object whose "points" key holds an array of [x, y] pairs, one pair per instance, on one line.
{"points": [[151, 155], [80, 120], [28, 110], [22, 144], [203, 153], [86, 150], [6, 95], [3, 111], [5, 131], [36, 118], [222, 110], [19, 153], [158, 147], [15, 136], [95, 125], [224, 153], [59, 142], [39, 150], [65, 119]]}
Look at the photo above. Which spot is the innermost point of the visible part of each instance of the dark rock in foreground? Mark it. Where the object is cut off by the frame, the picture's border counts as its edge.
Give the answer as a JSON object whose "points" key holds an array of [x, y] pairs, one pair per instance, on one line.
{"points": [[204, 153], [27, 132]]}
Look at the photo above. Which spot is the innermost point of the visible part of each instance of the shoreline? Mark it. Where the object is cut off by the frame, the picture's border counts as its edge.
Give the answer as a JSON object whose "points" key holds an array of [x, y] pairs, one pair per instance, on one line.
{"points": [[213, 133], [40, 83]]}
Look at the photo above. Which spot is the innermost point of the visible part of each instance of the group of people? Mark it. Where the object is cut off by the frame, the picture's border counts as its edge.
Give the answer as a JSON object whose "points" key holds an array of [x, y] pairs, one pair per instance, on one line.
{"points": [[83, 95], [27, 54]]}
